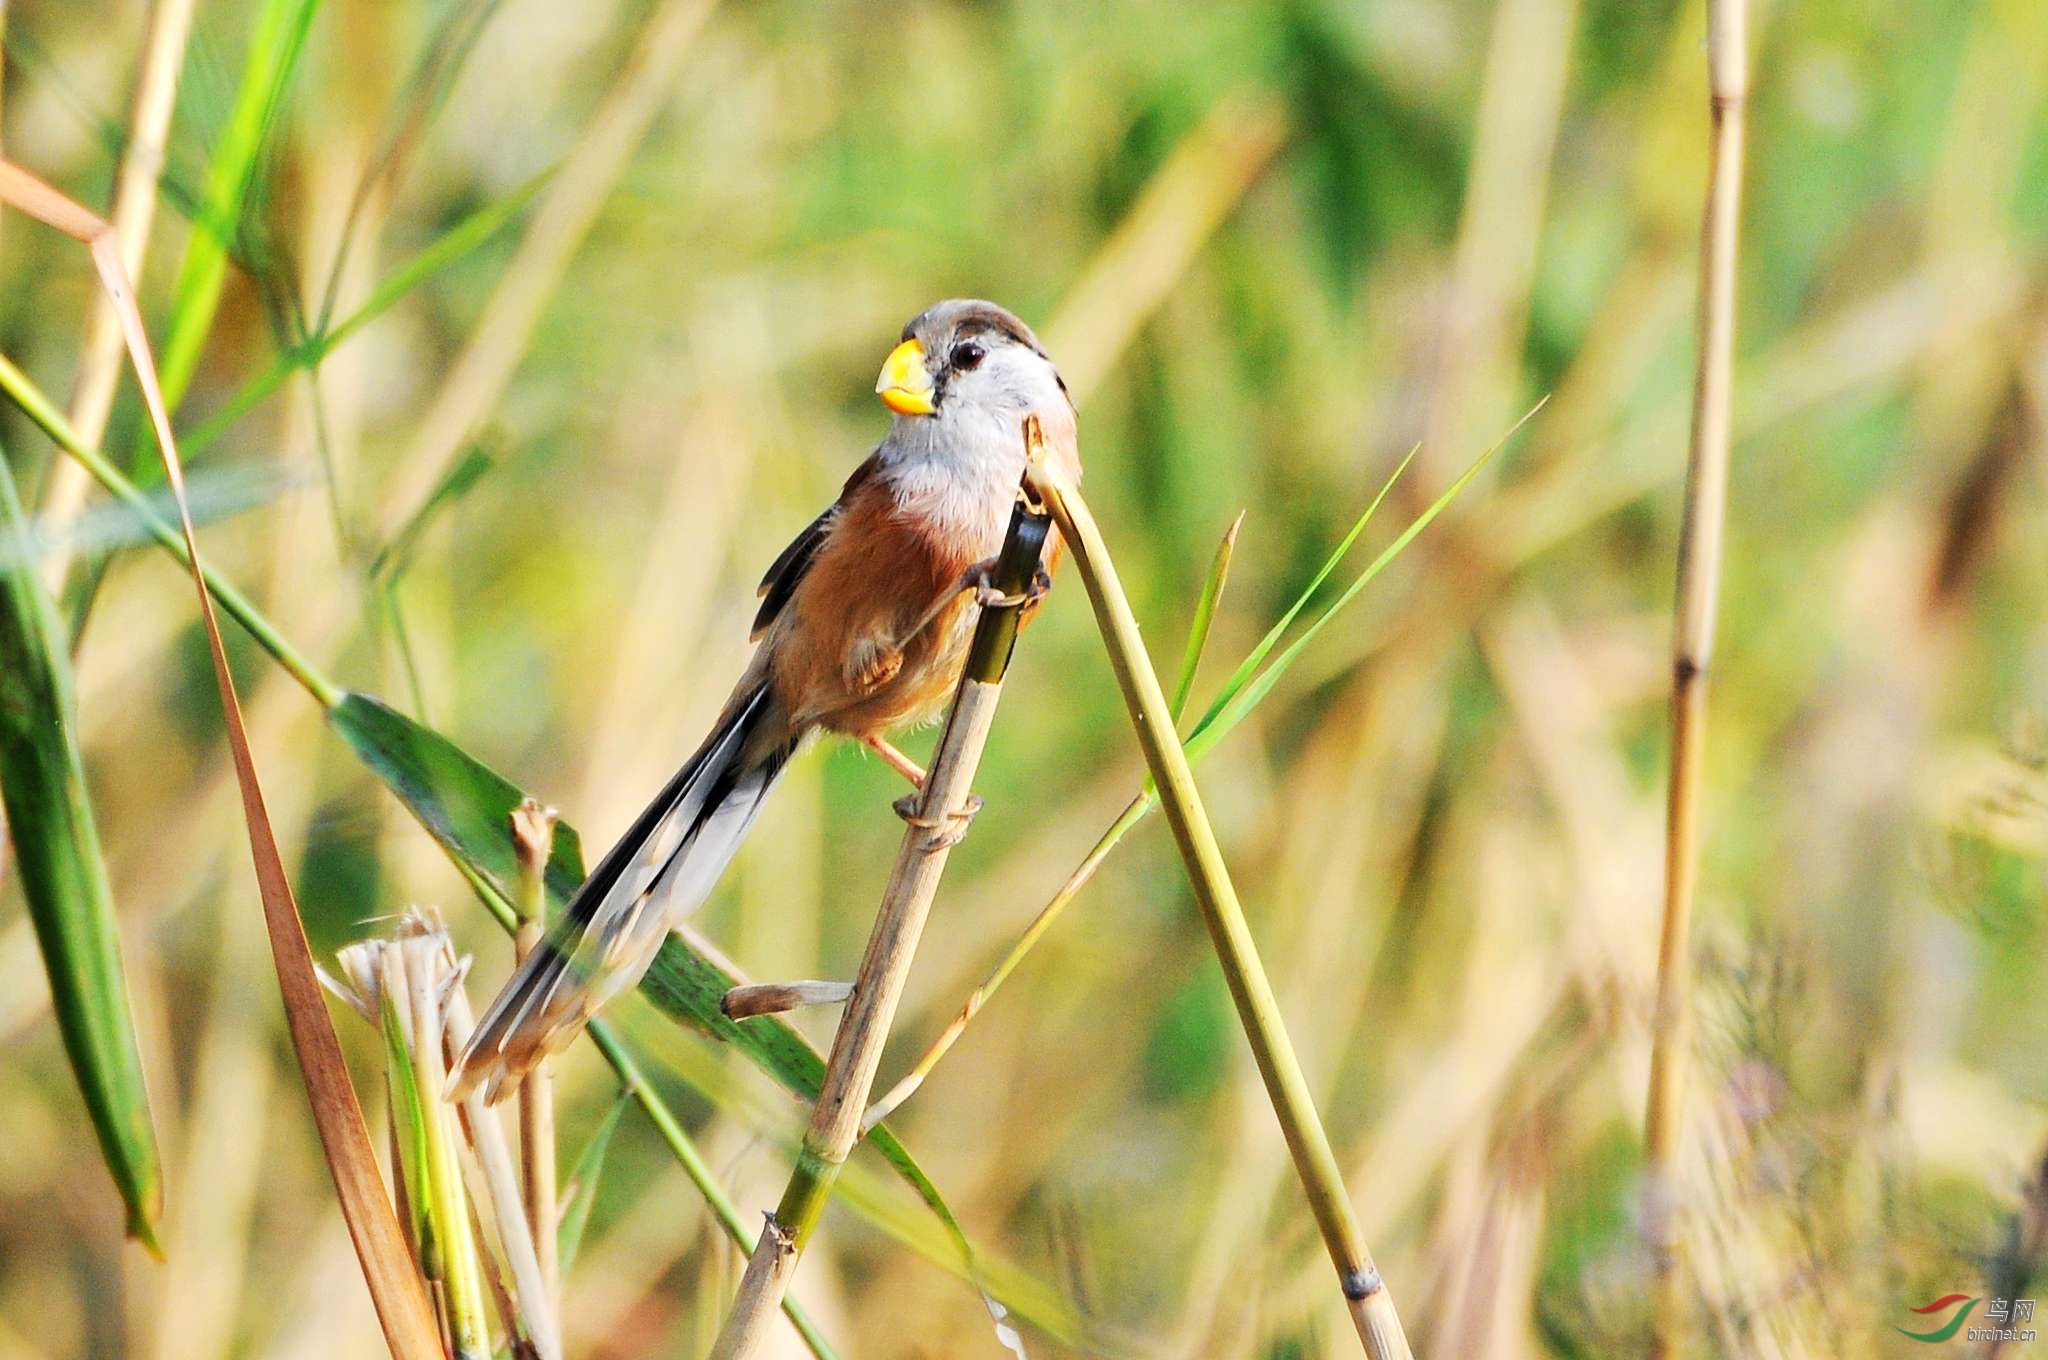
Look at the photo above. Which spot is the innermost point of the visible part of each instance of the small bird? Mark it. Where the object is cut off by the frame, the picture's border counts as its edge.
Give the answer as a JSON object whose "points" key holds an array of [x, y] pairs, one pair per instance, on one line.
{"points": [[864, 626]]}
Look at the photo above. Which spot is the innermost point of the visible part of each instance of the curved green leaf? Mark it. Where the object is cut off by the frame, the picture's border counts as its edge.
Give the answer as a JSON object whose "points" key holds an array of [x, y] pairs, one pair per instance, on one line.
{"points": [[63, 876]]}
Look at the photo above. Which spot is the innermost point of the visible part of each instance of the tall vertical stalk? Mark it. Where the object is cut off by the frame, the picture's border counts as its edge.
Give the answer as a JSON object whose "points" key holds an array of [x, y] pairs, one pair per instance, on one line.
{"points": [[1366, 1297], [533, 833], [892, 944], [1692, 645]]}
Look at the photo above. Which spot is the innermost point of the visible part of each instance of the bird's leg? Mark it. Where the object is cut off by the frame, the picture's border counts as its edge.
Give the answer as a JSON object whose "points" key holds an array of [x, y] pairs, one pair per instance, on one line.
{"points": [[894, 758]]}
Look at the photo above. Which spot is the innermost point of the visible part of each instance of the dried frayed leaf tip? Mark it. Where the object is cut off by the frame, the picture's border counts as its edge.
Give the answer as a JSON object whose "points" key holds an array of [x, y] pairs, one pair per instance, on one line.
{"points": [[361, 966], [533, 833]]}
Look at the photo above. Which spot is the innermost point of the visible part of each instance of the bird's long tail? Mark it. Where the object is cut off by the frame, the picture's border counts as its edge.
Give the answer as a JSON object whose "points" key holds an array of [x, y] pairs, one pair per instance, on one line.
{"points": [[663, 867]]}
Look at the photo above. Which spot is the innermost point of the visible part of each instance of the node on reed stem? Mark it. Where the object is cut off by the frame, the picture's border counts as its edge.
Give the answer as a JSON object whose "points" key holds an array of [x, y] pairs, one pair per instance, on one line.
{"points": [[1692, 645]]}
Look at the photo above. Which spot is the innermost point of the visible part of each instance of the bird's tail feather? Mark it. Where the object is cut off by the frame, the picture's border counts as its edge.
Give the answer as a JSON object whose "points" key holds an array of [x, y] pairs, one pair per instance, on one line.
{"points": [[663, 867]]}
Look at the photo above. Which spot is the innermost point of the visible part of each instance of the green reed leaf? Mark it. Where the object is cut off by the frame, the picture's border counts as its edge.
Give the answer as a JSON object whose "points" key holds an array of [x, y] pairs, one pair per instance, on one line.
{"points": [[64, 876]]}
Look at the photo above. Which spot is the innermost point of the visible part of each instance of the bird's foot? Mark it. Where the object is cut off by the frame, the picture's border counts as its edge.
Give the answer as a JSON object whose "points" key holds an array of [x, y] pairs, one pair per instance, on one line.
{"points": [[950, 828], [980, 578]]}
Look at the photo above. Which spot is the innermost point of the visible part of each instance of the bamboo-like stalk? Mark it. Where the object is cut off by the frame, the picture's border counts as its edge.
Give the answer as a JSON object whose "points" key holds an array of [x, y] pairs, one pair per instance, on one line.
{"points": [[533, 833], [528, 1242], [1366, 1296], [1133, 813], [92, 396], [899, 923], [1692, 645]]}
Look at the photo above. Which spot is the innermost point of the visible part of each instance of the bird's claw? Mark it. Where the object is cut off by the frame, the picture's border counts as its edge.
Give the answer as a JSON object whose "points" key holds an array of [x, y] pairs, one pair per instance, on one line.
{"points": [[950, 828], [988, 597]]}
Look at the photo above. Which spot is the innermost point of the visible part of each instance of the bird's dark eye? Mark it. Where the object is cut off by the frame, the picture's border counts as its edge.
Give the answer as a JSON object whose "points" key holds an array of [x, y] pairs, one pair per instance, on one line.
{"points": [[966, 356]]}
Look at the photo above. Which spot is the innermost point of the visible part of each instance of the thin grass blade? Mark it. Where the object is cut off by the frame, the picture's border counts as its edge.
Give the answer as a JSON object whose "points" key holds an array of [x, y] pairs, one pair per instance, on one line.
{"points": [[1205, 615], [583, 1180], [64, 877], [274, 50], [1258, 654], [394, 557], [1239, 699]]}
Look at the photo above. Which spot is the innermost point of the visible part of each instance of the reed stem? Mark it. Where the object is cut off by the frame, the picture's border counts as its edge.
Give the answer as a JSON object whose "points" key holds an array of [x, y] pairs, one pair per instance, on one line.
{"points": [[1699, 577], [1366, 1296], [533, 832], [899, 923]]}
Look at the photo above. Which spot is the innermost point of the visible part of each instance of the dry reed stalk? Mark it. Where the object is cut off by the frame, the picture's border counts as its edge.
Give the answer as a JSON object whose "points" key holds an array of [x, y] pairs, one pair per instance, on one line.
{"points": [[528, 1242], [92, 397], [1367, 1299], [1699, 575], [533, 835], [942, 806]]}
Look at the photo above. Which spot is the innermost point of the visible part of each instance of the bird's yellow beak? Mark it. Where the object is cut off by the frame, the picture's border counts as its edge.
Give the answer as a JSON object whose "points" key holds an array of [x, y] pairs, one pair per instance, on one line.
{"points": [[904, 386]]}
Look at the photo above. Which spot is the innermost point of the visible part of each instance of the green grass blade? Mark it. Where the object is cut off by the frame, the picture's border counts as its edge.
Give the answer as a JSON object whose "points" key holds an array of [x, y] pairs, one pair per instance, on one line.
{"points": [[583, 1181], [411, 1148], [1205, 615], [274, 51], [1258, 654], [1240, 699], [63, 876]]}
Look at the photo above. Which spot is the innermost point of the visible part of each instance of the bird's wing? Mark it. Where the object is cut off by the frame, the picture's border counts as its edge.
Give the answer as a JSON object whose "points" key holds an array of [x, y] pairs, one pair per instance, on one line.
{"points": [[780, 581]]}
